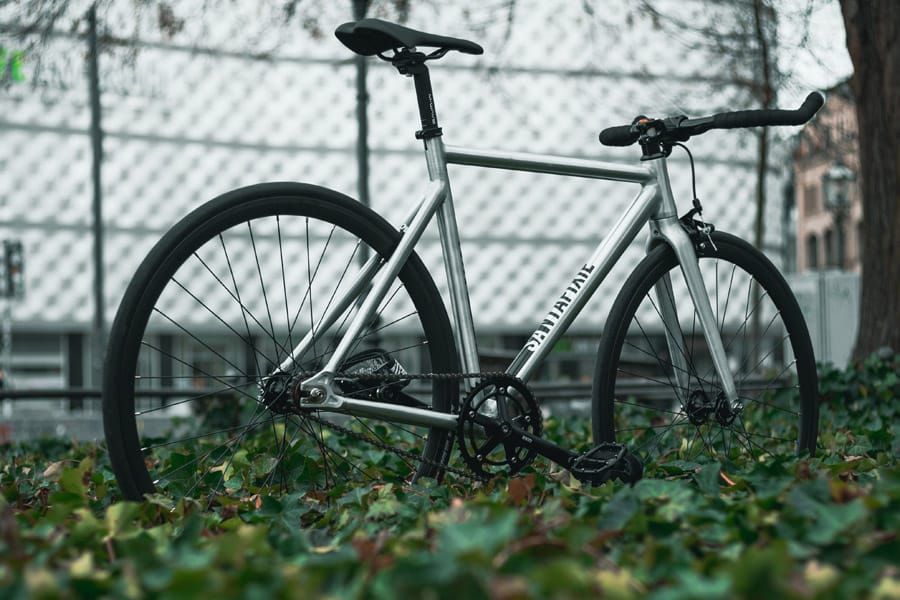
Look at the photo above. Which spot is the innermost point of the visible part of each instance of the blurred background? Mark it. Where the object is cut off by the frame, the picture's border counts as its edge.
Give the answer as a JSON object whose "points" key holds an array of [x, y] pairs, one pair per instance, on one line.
{"points": [[118, 118]]}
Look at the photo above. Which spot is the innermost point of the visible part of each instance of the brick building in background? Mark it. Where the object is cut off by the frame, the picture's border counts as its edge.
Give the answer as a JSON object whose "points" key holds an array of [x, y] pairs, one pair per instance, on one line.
{"points": [[827, 149], [828, 226]]}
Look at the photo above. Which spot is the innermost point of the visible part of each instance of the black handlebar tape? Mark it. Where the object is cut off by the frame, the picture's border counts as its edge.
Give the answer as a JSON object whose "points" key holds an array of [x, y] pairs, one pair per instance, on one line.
{"points": [[624, 136], [762, 118], [618, 136]]}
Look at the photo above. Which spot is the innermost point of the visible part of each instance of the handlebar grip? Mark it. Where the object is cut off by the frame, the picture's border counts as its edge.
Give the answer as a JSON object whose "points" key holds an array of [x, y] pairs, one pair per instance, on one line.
{"points": [[762, 118], [618, 136]]}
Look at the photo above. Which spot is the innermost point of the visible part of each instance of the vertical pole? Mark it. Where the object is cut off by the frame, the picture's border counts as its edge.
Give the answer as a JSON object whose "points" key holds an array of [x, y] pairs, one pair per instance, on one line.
{"points": [[6, 341], [360, 8], [75, 366], [96, 133], [362, 116], [839, 238]]}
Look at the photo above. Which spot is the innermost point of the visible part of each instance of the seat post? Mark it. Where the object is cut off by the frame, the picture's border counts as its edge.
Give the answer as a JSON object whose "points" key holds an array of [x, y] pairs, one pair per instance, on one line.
{"points": [[412, 64]]}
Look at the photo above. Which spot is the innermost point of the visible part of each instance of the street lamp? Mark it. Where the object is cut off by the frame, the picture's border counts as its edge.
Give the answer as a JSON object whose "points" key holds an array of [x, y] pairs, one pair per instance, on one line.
{"points": [[836, 183]]}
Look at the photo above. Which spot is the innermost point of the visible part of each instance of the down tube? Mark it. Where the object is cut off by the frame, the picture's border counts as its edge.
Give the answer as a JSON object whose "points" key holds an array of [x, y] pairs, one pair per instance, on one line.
{"points": [[585, 283]]}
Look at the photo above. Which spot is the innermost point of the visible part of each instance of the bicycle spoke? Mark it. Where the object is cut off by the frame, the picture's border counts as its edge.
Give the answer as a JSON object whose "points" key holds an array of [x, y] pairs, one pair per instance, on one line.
{"points": [[727, 297], [175, 358], [337, 286], [192, 438], [347, 462], [230, 459], [283, 446], [244, 310], [287, 313], [247, 342], [310, 277], [202, 343], [195, 398], [655, 353], [262, 287]]}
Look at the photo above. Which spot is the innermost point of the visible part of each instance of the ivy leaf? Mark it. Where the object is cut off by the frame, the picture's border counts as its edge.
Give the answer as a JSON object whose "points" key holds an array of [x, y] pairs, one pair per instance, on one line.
{"points": [[479, 536], [707, 478], [619, 510], [71, 481], [120, 519], [828, 520]]}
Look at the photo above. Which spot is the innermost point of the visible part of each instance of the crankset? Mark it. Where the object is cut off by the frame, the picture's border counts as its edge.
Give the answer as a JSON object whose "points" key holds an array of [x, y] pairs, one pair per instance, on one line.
{"points": [[494, 415], [500, 427]]}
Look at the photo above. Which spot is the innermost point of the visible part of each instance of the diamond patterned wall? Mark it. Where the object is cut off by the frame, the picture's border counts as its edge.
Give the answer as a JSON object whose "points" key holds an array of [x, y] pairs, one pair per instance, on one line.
{"points": [[182, 126]]}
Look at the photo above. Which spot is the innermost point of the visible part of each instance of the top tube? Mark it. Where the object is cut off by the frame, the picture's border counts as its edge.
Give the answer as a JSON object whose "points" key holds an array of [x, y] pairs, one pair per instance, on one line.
{"points": [[555, 165]]}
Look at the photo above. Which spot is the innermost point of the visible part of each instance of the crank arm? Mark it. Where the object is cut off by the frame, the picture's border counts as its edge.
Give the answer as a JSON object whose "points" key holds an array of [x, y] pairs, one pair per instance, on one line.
{"points": [[596, 466]]}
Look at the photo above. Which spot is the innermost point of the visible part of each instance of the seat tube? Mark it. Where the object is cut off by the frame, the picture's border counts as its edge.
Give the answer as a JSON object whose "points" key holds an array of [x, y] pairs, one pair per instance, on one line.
{"points": [[430, 134], [464, 327]]}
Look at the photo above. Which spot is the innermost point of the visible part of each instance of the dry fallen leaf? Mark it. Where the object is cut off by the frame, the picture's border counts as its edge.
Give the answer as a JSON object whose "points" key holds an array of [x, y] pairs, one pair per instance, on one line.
{"points": [[53, 470], [519, 488]]}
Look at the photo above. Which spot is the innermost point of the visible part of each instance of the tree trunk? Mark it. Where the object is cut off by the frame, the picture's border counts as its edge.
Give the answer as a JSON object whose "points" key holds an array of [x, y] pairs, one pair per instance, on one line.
{"points": [[873, 30]]}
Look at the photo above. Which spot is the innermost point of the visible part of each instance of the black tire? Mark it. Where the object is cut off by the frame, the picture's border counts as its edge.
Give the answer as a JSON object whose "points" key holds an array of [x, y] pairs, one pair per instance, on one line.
{"points": [[165, 303], [638, 399]]}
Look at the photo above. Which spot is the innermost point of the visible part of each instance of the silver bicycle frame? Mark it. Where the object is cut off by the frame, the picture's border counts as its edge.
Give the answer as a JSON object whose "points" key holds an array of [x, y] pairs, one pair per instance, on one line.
{"points": [[654, 204]]}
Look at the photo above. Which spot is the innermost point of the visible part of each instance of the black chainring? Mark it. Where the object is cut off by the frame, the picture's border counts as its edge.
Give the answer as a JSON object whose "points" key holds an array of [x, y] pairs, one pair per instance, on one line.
{"points": [[483, 436]]}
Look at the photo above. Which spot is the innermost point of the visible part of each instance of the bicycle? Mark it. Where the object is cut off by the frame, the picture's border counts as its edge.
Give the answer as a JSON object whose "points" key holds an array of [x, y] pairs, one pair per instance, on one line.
{"points": [[316, 402]]}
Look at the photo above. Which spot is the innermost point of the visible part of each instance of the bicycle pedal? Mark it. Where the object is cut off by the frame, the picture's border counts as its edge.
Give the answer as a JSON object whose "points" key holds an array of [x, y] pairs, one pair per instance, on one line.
{"points": [[607, 461]]}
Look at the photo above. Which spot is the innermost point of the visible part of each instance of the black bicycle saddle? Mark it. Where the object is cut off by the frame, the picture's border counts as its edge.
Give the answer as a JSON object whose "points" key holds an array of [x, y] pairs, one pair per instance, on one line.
{"points": [[374, 36]]}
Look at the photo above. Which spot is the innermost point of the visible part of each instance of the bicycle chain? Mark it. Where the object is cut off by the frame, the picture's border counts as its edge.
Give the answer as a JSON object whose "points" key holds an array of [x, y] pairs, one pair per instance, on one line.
{"points": [[387, 378]]}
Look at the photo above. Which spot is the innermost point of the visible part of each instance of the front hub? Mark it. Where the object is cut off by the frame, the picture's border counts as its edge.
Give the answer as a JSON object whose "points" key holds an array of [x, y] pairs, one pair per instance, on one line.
{"points": [[699, 407]]}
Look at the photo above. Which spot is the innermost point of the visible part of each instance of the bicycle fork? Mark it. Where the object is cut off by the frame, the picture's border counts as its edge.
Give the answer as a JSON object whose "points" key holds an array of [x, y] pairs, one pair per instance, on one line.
{"points": [[671, 230]]}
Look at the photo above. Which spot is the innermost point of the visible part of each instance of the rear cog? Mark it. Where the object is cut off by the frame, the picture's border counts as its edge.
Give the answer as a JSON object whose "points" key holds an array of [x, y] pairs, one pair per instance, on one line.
{"points": [[486, 420]]}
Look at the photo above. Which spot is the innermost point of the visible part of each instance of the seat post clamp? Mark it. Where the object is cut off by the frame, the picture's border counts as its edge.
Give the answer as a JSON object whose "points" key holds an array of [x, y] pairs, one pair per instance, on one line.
{"points": [[428, 133]]}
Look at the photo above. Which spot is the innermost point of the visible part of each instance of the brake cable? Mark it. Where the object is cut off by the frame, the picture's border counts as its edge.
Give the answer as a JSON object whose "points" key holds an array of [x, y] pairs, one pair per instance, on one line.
{"points": [[702, 226]]}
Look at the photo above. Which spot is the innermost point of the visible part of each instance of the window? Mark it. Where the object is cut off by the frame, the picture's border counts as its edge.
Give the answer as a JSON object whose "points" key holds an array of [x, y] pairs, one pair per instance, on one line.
{"points": [[812, 251], [810, 200]]}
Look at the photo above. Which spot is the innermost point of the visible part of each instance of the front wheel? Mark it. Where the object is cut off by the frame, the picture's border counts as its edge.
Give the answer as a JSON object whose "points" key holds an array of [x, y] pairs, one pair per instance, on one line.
{"points": [[655, 388]]}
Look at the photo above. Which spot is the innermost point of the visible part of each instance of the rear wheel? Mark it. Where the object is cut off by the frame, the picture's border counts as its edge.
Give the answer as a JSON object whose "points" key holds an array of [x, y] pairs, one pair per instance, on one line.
{"points": [[217, 304], [655, 388]]}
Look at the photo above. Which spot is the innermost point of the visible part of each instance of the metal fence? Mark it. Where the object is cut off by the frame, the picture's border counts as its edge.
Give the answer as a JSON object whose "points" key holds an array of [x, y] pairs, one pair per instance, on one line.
{"points": [[100, 157]]}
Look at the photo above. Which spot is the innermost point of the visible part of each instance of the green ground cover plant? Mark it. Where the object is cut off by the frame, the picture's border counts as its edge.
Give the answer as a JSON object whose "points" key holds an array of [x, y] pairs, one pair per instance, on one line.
{"points": [[818, 527]]}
